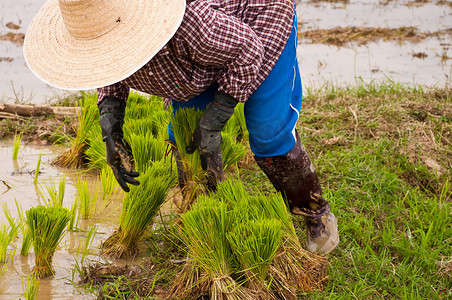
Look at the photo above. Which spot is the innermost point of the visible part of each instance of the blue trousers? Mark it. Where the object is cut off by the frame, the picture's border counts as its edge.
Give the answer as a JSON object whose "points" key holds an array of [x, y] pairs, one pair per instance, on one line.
{"points": [[272, 111]]}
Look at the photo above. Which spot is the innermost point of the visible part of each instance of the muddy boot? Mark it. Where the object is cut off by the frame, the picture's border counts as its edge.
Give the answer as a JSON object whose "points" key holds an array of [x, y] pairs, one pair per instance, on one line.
{"points": [[294, 176]]}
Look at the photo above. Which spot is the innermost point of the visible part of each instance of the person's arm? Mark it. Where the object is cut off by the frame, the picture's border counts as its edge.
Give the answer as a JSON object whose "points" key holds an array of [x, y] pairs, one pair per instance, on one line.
{"points": [[112, 104]]}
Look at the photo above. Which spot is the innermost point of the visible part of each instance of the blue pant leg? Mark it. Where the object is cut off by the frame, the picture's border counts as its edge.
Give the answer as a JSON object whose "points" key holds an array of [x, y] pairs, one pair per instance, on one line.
{"points": [[272, 111]]}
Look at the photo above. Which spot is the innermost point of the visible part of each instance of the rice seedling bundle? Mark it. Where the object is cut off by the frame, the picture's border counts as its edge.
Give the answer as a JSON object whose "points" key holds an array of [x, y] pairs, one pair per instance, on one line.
{"points": [[140, 206], [232, 152], [263, 251], [256, 243], [154, 122], [141, 107], [46, 225], [204, 230], [184, 123], [89, 117], [146, 150]]}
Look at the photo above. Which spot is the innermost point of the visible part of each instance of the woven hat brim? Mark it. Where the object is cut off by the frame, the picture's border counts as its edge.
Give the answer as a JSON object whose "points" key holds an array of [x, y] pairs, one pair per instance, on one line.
{"points": [[66, 62]]}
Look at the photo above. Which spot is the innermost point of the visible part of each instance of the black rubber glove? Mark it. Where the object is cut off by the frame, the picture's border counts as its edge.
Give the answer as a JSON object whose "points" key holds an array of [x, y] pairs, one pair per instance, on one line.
{"points": [[207, 136], [119, 157]]}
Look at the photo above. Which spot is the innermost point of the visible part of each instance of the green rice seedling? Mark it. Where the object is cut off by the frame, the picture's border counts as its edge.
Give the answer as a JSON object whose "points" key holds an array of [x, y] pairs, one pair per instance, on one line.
{"points": [[237, 125], [46, 226], [30, 286], [83, 198], [16, 147], [204, 230], [74, 216], [55, 197], [35, 180], [6, 237], [293, 269], [256, 243], [26, 243], [232, 152], [143, 107], [108, 181], [95, 153], [155, 123], [140, 206], [146, 149], [184, 123], [11, 221], [89, 238], [89, 115], [22, 227]]}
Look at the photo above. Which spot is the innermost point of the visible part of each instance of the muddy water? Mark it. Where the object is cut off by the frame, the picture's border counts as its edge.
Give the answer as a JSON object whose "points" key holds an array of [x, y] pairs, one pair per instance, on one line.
{"points": [[319, 63], [16, 184], [378, 61]]}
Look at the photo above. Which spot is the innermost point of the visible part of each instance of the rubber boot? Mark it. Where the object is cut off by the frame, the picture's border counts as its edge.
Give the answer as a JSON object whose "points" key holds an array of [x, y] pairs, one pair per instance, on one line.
{"points": [[294, 176]]}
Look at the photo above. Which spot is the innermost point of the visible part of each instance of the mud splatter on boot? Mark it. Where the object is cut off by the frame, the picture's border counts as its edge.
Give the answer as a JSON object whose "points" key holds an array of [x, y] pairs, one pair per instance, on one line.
{"points": [[322, 233], [294, 176]]}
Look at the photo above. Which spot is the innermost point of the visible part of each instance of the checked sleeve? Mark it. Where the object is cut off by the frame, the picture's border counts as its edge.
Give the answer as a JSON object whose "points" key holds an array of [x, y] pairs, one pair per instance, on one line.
{"points": [[223, 41], [117, 90]]}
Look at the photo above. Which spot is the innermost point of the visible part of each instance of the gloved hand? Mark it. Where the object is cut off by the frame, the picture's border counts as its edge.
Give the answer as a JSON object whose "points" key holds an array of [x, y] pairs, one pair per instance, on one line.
{"points": [[207, 136], [119, 157]]}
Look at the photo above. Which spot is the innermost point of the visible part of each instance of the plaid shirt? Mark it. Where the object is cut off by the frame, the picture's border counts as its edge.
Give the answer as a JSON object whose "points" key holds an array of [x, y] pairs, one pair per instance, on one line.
{"points": [[235, 43]]}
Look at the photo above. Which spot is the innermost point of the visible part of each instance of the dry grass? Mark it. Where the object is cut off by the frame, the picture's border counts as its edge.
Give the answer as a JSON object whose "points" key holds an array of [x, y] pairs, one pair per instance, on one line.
{"points": [[340, 36], [418, 121]]}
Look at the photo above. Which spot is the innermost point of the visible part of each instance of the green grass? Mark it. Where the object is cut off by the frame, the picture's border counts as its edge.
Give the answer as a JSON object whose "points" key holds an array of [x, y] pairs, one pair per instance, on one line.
{"points": [[373, 147]]}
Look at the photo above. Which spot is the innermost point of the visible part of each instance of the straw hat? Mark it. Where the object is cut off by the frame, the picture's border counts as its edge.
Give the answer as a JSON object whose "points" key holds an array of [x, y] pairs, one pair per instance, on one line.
{"points": [[85, 44]]}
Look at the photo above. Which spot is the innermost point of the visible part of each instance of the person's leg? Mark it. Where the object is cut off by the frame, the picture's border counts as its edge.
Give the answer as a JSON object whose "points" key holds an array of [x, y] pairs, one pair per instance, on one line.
{"points": [[271, 115]]}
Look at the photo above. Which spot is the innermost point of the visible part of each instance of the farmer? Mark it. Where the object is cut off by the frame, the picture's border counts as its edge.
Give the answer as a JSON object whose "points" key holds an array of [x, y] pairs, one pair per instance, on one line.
{"points": [[208, 54]]}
